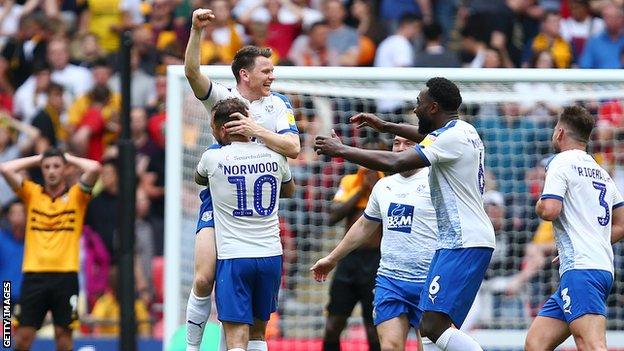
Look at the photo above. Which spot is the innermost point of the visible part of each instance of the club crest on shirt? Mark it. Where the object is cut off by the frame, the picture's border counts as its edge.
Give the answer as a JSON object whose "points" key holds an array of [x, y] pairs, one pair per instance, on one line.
{"points": [[206, 216], [269, 108], [428, 140], [400, 217]]}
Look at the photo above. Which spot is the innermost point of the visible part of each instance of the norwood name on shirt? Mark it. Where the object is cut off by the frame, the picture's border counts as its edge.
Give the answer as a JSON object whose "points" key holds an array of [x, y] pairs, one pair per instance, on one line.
{"points": [[250, 168]]}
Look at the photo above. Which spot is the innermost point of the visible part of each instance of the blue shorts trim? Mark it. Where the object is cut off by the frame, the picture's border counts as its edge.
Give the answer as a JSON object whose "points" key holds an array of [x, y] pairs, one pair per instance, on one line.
{"points": [[394, 297], [454, 278], [247, 288], [580, 292], [206, 213]]}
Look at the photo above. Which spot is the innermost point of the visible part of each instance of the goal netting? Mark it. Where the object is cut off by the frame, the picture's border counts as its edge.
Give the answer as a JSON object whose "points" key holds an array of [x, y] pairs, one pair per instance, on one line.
{"points": [[513, 110]]}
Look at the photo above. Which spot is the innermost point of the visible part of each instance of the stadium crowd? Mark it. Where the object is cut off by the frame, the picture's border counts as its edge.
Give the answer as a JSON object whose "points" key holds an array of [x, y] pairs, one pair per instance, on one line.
{"points": [[60, 86]]}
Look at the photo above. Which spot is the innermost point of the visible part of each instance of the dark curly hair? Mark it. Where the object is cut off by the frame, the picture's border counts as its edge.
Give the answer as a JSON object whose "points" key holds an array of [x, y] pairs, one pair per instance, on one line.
{"points": [[224, 108], [445, 93]]}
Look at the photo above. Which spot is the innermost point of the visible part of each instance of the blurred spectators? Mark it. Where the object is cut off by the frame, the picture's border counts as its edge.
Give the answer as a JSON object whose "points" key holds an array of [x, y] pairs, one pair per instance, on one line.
{"points": [[311, 49], [368, 24], [102, 210], [342, 39], [49, 120], [32, 95], [75, 79], [604, 50], [435, 54], [550, 40], [12, 249], [580, 26], [143, 87]]}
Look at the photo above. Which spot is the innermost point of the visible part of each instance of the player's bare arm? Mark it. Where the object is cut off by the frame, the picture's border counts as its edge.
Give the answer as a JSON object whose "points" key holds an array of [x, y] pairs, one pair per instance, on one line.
{"points": [[359, 233], [285, 144], [617, 225], [200, 180], [385, 161], [287, 189], [548, 209], [10, 170], [90, 168], [340, 210], [404, 130], [199, 83]]}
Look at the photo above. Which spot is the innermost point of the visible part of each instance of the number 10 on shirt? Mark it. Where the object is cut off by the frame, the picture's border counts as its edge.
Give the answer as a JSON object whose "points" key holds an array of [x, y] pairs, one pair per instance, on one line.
{"points": [[241, 195]]}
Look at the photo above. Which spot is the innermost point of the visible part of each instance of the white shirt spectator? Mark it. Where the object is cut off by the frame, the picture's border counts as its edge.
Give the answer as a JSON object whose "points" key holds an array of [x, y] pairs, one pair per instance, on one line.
{"points": [[26, 103], [571, 29], [142, 89], [221, 36], [76, 80], [10, 24], [394, 51], [132, 7]]}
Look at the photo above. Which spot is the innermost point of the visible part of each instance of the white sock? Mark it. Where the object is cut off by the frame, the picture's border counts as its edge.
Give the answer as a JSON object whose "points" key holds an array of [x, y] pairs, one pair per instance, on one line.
{"points": [[257, 345], [456, 340], [197, 312], [222, 341], [428, 345]]}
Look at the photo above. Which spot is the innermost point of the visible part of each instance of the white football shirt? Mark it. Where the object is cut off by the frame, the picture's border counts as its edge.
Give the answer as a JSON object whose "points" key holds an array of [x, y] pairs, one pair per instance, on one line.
{"points": [[245, 180], [409, 232], [583, 228], [273, 112], [457, 180]]}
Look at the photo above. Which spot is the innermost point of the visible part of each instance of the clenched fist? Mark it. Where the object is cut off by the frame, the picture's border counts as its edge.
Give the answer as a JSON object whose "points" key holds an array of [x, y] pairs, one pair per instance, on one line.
{"points": [[201, 18]]}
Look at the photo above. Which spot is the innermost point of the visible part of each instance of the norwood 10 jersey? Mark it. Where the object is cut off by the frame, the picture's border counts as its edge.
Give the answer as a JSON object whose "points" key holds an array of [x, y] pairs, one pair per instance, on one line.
{"points": [[409, 236], [245, 181], [273, 112], [457, 180], [583, 228]]}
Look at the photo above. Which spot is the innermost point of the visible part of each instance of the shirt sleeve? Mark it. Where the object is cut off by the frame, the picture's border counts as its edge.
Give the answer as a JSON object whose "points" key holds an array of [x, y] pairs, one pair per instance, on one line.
{"points": [[26, 191], [446, 147], [285, 117], [285, 170], [372, 211], [216, 93], [556, 183], [206, 164]]}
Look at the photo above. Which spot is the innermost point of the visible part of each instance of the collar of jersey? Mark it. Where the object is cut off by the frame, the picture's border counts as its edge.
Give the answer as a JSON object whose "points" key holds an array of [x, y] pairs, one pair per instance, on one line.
{"points": [[247, 101]]}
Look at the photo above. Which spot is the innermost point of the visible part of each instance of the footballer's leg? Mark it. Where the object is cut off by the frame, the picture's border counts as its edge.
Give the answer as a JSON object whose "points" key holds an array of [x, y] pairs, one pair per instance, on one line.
{"points": [[236, 335], [257, 333], [199, 303], [546, 333], [589, 332], [393, 333]]}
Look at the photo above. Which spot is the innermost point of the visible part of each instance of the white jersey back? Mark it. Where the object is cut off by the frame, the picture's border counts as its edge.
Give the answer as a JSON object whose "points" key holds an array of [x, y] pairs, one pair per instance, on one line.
{"points": [[583, 228], [409, 237], [457, 180], [245, 180], [273, 112]]}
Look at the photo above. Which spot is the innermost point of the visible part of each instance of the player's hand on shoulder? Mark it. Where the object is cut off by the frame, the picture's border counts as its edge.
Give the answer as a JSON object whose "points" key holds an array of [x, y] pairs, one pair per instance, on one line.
{"points": [[322, 268], [329, 146], [368, 120], [201, 18]]}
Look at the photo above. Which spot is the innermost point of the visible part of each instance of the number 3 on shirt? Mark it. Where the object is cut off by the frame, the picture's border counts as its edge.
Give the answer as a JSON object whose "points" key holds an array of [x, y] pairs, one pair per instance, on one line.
{"points": [[603, 221], [241, 195]]}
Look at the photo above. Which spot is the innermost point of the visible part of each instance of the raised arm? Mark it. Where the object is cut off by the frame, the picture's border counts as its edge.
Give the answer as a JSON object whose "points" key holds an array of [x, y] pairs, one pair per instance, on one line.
{"points": [[11, 170], [90, 168], [385, 161], [407, 131], [30, 133], [198, 82], [359, 233]]}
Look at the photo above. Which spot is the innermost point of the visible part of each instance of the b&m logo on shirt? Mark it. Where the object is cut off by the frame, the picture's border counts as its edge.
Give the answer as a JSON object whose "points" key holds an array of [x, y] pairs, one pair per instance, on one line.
{"points": [[400, 217]]}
